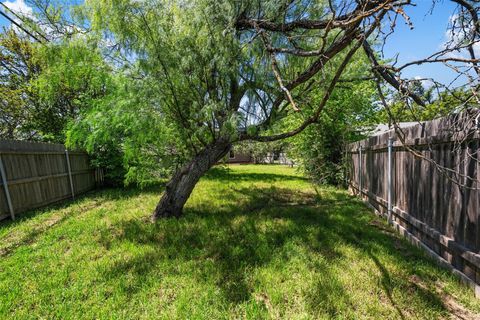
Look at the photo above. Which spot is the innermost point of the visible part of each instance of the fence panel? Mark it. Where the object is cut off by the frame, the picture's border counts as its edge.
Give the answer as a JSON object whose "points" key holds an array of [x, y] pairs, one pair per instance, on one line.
{"points": [[37, 174], [435, 188]]}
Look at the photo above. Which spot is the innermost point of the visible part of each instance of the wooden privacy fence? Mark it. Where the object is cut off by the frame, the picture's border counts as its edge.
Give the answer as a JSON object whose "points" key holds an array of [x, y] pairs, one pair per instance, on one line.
{"points": [[424, 179], [38, 174]]}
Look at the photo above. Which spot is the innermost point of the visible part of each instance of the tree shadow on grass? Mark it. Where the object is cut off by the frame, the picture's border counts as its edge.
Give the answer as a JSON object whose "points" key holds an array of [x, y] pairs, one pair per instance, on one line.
{"points": [[99, 196], [247, 234], [253, 229], [55, 214], [225, 174], [102, 195]]}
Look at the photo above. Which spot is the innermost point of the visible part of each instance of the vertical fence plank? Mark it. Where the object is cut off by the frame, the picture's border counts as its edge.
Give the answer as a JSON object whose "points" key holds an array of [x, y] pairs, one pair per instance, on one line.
{"points": [[389, 179], [5, 188], [360, 171], [69, 174]]}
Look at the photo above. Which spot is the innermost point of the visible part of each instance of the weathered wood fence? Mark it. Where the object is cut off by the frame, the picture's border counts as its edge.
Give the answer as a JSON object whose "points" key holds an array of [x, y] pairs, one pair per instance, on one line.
{"points": [[37, 174], [424, 179]]}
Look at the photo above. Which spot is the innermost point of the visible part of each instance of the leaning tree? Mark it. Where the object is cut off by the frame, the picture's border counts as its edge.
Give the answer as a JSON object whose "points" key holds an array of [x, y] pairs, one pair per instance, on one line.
{"points": [[224, 71]]}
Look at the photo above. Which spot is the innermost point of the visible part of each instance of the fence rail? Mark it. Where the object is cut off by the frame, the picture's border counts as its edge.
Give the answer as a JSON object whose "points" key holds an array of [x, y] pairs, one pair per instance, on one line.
{"points": [[425, 180], [38, 174]]}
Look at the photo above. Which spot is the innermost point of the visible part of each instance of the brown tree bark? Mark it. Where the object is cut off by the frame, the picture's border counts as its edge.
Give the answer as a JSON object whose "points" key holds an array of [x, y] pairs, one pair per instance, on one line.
{"points": [[181, 185]]}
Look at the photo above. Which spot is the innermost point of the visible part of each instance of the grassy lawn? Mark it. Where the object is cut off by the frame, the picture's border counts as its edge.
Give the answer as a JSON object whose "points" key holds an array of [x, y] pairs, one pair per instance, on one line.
{"points": [[255, 242]]}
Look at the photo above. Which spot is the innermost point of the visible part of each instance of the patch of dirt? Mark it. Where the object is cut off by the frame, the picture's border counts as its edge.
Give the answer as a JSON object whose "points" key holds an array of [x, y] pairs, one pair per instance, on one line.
{"points": [[456, 310]]}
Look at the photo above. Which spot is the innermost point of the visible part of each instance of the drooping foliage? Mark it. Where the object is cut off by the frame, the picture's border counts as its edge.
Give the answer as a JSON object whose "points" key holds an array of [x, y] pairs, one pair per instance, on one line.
{"points": [[128, 135], [174, 74], [183, 57]]}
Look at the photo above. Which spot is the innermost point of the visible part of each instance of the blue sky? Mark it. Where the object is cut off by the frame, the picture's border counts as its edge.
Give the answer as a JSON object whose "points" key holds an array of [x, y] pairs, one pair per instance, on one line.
{"points": [[18, 6], [426, 37]]}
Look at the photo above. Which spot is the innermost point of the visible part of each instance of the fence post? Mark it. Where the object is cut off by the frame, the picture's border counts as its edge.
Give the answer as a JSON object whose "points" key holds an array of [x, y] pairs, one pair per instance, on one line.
{"points": [[360, 174], [389, 179], [5, 188], [69, 174]]}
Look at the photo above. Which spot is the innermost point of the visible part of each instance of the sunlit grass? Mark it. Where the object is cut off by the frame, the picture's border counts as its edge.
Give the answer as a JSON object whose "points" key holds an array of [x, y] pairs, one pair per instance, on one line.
{"points": [[255, 242]]}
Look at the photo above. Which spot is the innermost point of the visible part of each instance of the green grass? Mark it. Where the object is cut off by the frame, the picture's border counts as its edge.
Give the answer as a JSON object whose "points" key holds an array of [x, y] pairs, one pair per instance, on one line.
{"points": [[255, 242]]}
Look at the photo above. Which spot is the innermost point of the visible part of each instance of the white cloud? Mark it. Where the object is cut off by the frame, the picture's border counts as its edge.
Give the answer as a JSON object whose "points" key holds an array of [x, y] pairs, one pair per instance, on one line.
{"points": [[476, 48], [454, 36], [22, 9], [19, 7]]}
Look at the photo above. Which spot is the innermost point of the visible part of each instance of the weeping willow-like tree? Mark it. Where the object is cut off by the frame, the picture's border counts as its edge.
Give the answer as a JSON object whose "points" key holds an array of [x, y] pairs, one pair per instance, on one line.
{"points": [[220, 72]]}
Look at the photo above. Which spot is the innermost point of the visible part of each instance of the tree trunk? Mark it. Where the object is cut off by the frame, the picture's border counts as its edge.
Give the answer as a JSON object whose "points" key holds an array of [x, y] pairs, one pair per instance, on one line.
{"points": [[181, 185]]}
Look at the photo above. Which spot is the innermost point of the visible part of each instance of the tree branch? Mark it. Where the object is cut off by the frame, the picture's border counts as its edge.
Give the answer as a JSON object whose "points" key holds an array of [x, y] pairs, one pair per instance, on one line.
{"points": [[387, 75]]}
